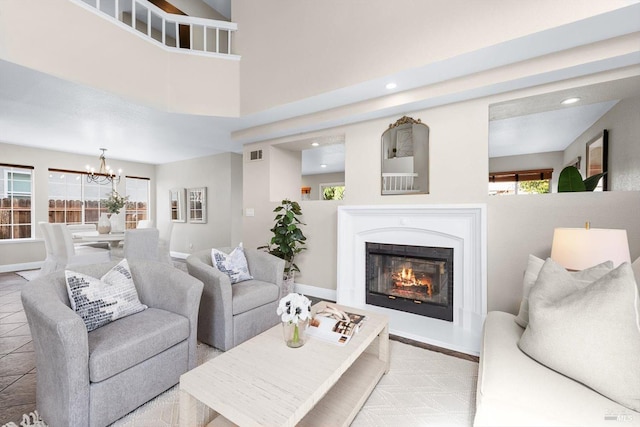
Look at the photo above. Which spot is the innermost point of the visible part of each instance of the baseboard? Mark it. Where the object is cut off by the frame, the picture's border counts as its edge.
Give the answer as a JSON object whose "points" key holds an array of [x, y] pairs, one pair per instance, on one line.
{"points": [[179, 255], [314, 291], [10, 268]]}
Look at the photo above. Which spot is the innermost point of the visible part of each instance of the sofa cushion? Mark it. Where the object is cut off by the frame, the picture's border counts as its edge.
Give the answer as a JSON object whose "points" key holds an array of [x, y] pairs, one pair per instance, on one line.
{"points": [[531, 276], [515, 390], [590, 333], [250, 294], [233, 264], [133, 339], [100, 301]]}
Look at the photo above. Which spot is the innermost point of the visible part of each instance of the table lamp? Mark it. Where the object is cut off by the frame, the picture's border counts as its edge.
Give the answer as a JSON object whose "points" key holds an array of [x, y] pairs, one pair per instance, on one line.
{"points": [[580, 248]]}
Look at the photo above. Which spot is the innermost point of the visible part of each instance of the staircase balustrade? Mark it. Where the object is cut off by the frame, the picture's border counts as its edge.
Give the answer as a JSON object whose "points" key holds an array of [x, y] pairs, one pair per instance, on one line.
{"points": [[186, 34]]}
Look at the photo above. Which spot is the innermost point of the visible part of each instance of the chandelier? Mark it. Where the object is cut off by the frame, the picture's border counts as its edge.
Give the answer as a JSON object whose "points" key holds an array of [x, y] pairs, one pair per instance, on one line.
{"points": [[105, 174]]}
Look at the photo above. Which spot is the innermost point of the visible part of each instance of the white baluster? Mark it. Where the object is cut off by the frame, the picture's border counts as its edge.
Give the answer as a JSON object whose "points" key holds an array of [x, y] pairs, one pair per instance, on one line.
{"points": [[149, 22], [229, 41], [117, 6], [177, 35], [191, 36], [204, 30], [164, 30], [98, 4], [133, 14], [217, 40]]}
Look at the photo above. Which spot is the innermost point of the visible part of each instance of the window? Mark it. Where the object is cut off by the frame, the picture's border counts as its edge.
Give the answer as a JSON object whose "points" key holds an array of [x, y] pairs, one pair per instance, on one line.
{"points": [[65, 197], [536, 181], [73, 200], [137, 189], [332, 191], [16, 190]]}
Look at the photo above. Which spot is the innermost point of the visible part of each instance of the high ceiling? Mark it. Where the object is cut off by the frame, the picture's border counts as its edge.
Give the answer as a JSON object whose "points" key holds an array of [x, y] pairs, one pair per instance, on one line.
{"points": [[41, 110]]}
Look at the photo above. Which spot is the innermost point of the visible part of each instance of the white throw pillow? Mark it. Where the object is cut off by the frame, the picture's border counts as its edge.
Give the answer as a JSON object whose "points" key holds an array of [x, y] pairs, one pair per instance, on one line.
{"points": [[531, 276], [100, 301], [588, 332], [233, 265]]}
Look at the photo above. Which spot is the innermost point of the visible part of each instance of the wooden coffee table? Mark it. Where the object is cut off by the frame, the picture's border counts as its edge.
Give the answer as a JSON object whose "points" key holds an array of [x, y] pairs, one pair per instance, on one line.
{"points": [[262, 382]]}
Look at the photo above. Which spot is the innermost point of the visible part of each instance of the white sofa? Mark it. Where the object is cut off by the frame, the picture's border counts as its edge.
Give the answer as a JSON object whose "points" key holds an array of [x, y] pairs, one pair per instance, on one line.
{"points": [[515, 390]]}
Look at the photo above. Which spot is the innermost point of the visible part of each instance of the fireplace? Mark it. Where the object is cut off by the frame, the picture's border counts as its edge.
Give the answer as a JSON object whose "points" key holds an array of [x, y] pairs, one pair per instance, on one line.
{"points": [[414, 279], [462, 228]]}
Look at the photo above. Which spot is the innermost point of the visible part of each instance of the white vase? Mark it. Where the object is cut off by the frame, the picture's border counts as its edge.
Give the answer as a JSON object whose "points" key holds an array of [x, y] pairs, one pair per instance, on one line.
{"points": [[104, 225]]}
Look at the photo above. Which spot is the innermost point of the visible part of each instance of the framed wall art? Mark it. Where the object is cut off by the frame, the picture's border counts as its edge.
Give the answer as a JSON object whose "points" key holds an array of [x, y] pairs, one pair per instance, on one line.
{"points": [[198, 205], [176, 199], [597, 158]]}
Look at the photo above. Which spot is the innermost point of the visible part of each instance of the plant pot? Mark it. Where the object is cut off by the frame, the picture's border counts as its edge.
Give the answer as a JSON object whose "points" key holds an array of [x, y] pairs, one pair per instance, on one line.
{"points": [[294, 333], [287, 284], [104, 225]]}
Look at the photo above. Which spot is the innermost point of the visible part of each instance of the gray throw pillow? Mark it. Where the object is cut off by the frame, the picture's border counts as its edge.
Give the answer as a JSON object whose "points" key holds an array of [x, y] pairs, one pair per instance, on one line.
{"points": [[531, 276], [100, 301], [588, 332], [233, 265]]}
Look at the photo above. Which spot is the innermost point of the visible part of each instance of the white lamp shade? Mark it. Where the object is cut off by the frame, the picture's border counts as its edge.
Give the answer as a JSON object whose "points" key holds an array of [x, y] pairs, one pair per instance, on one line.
{"points": [[580, 248]]}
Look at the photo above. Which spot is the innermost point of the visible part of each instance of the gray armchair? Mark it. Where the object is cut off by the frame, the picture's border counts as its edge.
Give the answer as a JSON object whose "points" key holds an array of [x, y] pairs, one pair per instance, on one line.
{"points": [[93, 378], [231, 314]]}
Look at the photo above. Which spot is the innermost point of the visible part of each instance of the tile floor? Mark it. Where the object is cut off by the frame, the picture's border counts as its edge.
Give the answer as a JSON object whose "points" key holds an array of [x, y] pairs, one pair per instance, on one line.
{"points": [[17, 360]]}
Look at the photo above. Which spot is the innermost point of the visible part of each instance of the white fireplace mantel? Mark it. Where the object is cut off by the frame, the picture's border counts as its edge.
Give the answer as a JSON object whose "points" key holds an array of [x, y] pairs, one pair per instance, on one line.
{"points": [[461, 227]]}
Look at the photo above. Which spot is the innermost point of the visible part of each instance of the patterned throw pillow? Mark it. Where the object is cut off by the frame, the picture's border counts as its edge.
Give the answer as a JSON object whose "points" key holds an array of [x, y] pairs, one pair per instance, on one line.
{"points": [[233, 265], [100, 301]]}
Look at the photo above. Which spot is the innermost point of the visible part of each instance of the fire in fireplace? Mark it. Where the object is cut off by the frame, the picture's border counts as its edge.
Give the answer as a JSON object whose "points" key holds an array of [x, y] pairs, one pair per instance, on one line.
{"points": [[415, 279]]}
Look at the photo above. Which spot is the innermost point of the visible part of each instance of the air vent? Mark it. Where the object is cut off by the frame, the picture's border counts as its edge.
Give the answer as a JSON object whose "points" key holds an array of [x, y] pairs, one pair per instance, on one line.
{"points": [[255, 155]]}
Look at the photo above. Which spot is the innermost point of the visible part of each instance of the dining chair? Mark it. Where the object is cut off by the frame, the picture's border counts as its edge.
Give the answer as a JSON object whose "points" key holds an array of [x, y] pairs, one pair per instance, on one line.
{"points": [[145, 223], [142, 244], [67, 254], [50, 262]]}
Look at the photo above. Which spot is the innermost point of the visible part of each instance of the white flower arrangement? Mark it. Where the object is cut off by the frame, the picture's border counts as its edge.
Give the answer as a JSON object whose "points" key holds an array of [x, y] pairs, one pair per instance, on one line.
{"points": [[294, 308]]}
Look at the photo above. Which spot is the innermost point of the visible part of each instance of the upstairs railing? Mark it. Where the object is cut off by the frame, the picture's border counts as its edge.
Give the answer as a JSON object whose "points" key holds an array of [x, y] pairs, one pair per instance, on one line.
{"points": [[172, 32], [399, 183]]}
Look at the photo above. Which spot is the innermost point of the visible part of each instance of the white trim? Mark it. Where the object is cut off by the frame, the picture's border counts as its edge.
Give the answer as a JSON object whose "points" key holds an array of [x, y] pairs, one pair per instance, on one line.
{"points": [[315, 291], [179, 255], [461, 227], [10, 268], [228, 26]]}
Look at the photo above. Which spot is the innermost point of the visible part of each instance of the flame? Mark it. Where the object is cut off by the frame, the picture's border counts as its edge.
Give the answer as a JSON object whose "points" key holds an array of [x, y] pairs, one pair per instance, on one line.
{"points": [[406, 277]]}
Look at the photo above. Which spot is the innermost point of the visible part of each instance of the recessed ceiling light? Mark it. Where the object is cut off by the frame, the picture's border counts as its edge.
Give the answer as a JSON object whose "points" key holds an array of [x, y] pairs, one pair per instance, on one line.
{"points": [[391, 86], [323, 166], [315, 144], [570, 101]]}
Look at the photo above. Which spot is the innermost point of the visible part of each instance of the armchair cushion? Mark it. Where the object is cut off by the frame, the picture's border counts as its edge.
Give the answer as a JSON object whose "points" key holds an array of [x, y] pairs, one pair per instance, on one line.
{"points": [[251, 294], [100, 301], [233, 264], [133, 339]]}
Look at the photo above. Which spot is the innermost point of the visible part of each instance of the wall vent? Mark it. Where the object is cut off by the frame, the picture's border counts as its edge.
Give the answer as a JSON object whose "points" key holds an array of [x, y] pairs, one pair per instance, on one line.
{"points": [[255, 155]]}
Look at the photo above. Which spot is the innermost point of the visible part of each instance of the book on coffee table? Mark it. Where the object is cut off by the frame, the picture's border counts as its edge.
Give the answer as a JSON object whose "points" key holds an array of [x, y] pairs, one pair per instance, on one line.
{"points": [[334, 325]]}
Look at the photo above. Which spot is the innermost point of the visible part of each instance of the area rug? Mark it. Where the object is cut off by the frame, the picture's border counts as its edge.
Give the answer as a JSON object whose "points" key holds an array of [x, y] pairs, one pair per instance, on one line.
{"points": [[422, 387]]}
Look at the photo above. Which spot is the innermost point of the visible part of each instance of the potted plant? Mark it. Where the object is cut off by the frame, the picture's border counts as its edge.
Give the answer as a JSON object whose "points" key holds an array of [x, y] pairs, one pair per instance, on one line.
{"points": [[114, 203], [288, 239], [570, 180]]}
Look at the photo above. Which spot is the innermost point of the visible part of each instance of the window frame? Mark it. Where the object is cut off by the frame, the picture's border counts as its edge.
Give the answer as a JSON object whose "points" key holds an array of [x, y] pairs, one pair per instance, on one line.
{"points": [[12, 169]]}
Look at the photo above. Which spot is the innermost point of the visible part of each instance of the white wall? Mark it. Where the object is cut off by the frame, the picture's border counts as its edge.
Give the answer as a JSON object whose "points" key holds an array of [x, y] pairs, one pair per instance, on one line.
{"points": [[169, 81], [349, 42], [221, 174], [314, 182], [459, 162], [24, 252], [623, 124], [553, 159]]}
